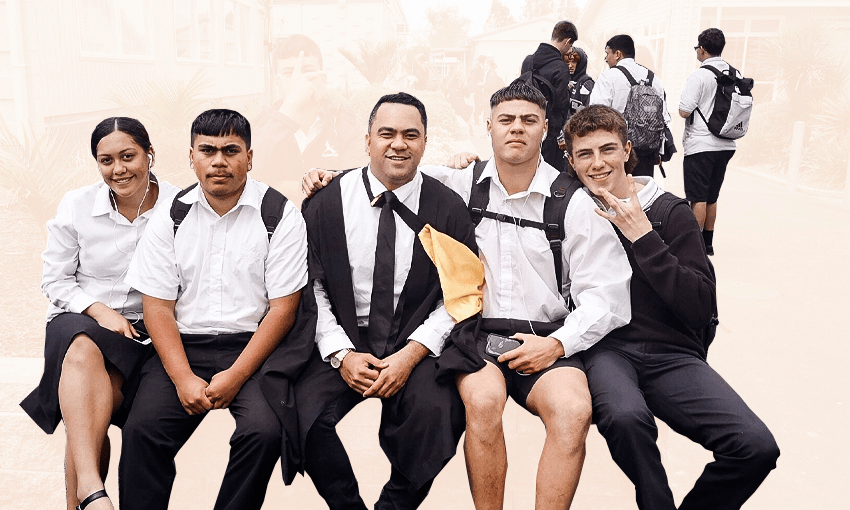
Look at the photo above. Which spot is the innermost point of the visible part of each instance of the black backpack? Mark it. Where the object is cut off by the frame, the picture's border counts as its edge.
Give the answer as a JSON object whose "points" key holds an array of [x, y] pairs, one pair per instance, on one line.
{"points": [[644, 113], [271, 209], [733, 104], [537, 81], [658, 214], [554, 209]]}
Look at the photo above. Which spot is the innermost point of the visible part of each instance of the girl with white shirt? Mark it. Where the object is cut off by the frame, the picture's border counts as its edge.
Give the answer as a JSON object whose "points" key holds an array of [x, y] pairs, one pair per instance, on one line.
{"points": [[96, 342]]}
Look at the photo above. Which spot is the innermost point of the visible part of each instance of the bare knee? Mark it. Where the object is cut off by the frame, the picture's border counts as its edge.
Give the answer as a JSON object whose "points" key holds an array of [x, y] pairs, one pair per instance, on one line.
{"points": [[484, 395], [82, 355], [562, 401]]}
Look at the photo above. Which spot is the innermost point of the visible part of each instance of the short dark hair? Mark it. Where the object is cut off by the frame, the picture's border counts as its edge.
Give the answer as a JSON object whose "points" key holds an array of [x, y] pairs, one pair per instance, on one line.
{"points": [[400, 98], [563, 30], [597, 117], [518, 90], [623, 43], [292, 45], [132, 127], [222, 122], [712, 40]]}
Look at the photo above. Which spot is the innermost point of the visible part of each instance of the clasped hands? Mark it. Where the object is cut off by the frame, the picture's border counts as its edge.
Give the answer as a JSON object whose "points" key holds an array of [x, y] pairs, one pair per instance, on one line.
{"points": [[197, 396], [373, 377]]}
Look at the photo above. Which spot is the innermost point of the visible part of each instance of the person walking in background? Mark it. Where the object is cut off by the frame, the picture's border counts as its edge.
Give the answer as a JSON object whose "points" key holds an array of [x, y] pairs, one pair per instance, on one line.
{"points": [[649, 109], [96, 341], [475, 84], [548, 63], [581, 84], [706, 155]]}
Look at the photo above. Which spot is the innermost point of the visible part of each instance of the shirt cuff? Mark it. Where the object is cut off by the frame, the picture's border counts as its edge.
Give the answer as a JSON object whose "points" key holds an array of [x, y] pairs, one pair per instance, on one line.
{"points": [[431, 338], [333, 343], [80, 302], [572, 343]]}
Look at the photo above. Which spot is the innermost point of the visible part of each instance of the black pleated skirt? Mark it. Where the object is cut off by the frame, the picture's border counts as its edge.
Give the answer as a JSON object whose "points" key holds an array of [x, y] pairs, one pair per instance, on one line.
{"points": [[126, 355]]}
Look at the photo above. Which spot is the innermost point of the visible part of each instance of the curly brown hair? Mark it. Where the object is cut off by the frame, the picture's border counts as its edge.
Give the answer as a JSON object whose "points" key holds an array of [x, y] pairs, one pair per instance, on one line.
{"points": [[597, 117]]}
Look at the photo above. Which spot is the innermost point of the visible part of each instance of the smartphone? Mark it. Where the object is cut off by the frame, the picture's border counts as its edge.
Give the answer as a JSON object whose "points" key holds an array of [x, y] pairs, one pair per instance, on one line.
{"points": [[498, 344]]}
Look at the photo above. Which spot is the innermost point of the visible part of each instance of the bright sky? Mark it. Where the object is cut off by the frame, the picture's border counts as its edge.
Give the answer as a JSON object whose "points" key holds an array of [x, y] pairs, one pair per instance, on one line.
{"points": [[476, 10]]}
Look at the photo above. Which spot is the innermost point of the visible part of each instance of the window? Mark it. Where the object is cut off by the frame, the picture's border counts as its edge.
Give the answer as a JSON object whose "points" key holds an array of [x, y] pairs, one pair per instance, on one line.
{"points": [[194, 30], [237, 32], [745, 52], [654, 37], [115, 29]]}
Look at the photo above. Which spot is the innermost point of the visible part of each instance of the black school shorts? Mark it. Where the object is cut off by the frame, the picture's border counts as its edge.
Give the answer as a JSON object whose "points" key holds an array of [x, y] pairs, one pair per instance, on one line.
{"points": [[703, 174]]}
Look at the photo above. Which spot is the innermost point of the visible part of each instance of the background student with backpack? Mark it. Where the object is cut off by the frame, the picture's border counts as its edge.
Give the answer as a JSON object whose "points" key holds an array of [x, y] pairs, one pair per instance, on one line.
{"points": [[634, 91], [716, 101], [546, 71], [581, 84]]}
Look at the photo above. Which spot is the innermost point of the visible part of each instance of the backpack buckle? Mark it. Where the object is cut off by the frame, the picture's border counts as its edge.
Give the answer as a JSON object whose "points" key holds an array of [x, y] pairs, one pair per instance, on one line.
{"points": [[501, 217], [559, 193]]}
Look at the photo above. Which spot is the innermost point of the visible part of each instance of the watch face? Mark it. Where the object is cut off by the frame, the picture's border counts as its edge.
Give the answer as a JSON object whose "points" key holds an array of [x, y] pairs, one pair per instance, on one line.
{"points": [[335, 362]]}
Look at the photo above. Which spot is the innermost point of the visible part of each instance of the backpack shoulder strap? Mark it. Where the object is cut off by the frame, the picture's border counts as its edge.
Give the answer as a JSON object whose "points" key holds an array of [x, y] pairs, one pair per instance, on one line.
{"points": [[271, 209], [479, 195], [554, 210], [179, 210], [649, 77], [629, 76], [659, 212], [714, 69]]}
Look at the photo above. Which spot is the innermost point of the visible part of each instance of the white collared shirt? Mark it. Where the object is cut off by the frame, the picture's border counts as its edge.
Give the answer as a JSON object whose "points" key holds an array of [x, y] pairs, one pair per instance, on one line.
{"points": [[361, 235], [223, 270], [612, 88], [699, 91], [89, 247], [519, 269]]}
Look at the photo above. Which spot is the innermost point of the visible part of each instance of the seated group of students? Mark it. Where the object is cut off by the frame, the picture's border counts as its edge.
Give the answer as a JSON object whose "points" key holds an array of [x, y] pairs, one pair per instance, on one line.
{"points": [[414, 284]]}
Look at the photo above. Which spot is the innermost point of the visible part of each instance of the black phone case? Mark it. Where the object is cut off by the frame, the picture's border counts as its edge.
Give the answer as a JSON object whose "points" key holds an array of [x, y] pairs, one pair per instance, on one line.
{"points": [[498, 344]]}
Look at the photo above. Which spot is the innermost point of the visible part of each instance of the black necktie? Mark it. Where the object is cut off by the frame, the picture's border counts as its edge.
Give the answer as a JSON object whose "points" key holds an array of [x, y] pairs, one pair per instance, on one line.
{"points": [[381, 309]]}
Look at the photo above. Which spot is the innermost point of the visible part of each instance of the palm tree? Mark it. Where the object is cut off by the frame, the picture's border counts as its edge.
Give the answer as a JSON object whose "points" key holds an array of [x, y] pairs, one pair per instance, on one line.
{"points": [[40, 168], [375, 61], [811, 84]]}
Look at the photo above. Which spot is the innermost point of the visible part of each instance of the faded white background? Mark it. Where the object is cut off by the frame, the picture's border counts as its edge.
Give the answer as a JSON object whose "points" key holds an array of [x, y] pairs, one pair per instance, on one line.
{"points": [[782, 234]]}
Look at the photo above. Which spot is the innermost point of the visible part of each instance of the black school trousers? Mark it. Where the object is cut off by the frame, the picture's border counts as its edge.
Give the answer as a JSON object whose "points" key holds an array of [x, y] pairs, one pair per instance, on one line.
{"points": [[631, 382], [158, 426], [421, 402]]}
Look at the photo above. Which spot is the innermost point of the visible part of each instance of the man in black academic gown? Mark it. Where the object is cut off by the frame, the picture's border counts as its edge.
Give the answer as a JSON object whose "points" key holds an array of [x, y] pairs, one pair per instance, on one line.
{"points": [[374, 309]]}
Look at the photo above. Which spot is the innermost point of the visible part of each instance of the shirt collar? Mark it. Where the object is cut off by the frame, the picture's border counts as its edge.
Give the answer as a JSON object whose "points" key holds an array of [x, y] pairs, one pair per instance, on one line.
{"points": [[403, 193], [250, 196], [710, 60], [541, 183], [102, 202], [649, 193]]}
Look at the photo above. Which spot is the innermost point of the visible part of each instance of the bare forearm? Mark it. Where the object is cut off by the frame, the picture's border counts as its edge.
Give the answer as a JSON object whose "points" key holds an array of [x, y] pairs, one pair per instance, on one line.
{"points": [[162, 328], [415, 351], [268, 336]]}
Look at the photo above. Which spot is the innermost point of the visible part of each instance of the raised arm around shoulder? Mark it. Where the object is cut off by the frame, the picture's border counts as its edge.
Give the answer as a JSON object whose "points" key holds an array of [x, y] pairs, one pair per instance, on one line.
{"points": [[316, 179]]}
